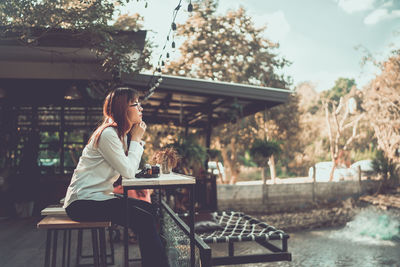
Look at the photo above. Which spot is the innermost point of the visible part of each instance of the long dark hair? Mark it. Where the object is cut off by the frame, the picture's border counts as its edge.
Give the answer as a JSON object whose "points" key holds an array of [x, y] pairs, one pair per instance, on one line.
{"points": [[115, 109]]}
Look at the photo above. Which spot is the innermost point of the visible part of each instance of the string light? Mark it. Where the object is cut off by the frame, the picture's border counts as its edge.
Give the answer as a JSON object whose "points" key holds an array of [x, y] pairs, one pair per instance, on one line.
{"points": [[156, 79], [190, 7], [173, 26]]}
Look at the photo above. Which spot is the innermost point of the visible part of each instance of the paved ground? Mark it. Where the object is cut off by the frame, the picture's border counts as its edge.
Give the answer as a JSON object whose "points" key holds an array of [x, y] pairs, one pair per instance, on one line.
{"points": [[21, 245]]}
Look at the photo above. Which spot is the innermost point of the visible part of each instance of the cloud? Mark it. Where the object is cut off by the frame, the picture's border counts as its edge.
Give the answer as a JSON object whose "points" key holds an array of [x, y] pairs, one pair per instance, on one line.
{"points": [[381, 14], [351, 6], [277, 25]]}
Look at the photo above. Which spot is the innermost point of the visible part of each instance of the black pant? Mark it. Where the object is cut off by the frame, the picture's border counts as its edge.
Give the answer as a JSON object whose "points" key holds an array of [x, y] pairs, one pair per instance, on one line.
{"points": [[141, 221]]}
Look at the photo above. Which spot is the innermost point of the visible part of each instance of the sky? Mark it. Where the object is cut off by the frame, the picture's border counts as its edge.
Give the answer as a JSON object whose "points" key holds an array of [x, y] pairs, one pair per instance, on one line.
{"points": [[319, 37]]}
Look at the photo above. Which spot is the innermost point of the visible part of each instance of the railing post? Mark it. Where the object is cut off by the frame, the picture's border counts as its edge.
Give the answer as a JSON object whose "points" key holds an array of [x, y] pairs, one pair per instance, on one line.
{"points": [[359, 181], [314, 183]]}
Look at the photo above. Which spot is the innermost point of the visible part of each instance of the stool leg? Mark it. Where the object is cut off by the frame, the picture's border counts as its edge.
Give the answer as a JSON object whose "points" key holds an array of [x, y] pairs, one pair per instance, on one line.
{"points": [[79, 247], [64, 247], [48, 246], [54, 256], [111, 245], [95, 248], [103, 252], [69, 247]]}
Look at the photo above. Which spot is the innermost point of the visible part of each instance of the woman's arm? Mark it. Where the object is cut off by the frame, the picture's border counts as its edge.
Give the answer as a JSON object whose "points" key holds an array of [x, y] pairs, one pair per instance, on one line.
{"points": [[110, 147]]}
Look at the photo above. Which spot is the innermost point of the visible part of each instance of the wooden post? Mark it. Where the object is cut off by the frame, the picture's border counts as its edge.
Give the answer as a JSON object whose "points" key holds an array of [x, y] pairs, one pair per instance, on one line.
{"points": [[62, 139], [265, 187], [186, 129], [359, 181], [314, 183]]}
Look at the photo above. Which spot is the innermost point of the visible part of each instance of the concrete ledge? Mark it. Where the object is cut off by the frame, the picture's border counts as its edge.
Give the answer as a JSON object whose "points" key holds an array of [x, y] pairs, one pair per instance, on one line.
{"points": [[288, 197]]}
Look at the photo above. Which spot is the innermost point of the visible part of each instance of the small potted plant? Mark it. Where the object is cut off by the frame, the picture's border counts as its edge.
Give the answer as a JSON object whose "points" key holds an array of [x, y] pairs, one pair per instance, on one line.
{"points": [[168, 159]]}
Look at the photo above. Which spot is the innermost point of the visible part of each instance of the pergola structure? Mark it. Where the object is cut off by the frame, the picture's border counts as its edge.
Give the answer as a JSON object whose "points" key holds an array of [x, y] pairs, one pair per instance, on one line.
{"points": [[49, 87], [50, 90]]}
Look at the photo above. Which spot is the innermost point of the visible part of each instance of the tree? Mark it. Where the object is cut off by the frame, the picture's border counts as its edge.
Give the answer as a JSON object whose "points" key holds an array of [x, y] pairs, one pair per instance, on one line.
{"points": [[227, 48], [342, 122], [215, 155], [283, 125], [134, 22], [382, 104], [341, 88], [30, 20]]}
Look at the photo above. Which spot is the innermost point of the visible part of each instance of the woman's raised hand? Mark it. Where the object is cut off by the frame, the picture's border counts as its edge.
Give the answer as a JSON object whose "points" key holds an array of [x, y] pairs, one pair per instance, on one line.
{"points": [[137, 131]]}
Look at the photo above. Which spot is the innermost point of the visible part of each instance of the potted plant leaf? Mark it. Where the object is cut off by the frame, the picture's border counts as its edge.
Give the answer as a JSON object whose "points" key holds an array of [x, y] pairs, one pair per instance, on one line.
{"points": [[167, 158], [261, 150]]}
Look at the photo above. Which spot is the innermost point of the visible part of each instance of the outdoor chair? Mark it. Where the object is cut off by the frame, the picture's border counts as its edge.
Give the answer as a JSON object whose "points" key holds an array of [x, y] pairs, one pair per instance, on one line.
{"points": [[231, 227]]}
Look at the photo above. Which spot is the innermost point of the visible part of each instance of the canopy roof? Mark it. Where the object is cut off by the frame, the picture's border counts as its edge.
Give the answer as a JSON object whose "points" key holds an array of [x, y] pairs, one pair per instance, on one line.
{"points": [[196, 102], [41, 74]]}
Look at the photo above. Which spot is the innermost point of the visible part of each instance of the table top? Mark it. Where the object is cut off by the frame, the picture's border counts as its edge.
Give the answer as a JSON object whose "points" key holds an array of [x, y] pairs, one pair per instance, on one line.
{"points": [[164, 179]]}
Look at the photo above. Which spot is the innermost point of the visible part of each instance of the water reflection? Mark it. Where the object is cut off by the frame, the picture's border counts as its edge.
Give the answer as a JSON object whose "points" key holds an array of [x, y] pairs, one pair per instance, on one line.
{"points": [[369, 240]]}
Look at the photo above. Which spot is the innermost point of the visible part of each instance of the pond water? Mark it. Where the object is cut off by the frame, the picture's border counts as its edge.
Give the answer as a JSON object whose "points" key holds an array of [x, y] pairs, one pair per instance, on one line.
{"points": [[371, 239]]}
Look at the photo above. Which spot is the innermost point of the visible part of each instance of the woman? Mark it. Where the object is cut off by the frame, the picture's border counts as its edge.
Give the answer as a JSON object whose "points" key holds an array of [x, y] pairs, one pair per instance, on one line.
{"points": [[106, 156]]}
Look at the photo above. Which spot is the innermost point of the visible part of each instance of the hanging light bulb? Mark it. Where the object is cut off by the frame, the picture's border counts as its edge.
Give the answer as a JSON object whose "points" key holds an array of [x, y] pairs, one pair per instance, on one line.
{"points": [[173, 44], [190, 7], [167, 55], [162, 63], [173, 26]]}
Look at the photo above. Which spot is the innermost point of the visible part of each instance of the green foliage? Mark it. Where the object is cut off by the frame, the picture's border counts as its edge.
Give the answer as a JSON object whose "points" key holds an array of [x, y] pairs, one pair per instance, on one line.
{"points": [[314, 109], [381, 103], [341, 88], [134, 23], [214, 154], [235, 112], [230, 48], [247, 160], [193, 155], [383, 165], [251, 174], [362, 154], [227, 48], [88, 20], [261, 150]]}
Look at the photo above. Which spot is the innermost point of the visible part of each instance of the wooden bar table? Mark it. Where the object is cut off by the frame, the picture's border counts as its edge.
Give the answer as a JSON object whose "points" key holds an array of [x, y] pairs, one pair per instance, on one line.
{"points": [[164, 181]]}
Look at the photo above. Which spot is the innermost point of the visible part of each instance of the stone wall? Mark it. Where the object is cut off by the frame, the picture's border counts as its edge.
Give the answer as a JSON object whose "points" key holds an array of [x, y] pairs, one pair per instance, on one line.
{"points": [[288, 197]]}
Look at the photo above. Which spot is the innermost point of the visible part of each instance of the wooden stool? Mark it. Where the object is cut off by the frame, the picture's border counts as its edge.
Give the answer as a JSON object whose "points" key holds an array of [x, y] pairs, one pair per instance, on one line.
{"points": [[56, 210], [53, 223]]}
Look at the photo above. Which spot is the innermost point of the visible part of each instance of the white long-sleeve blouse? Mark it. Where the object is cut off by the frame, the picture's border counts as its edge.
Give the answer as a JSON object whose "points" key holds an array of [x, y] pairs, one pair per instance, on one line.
{"points": [[99, 167]]}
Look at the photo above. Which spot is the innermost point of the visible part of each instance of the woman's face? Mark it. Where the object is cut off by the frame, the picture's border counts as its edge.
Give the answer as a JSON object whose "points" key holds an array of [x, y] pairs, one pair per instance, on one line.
{"points": [[134, 112]]}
